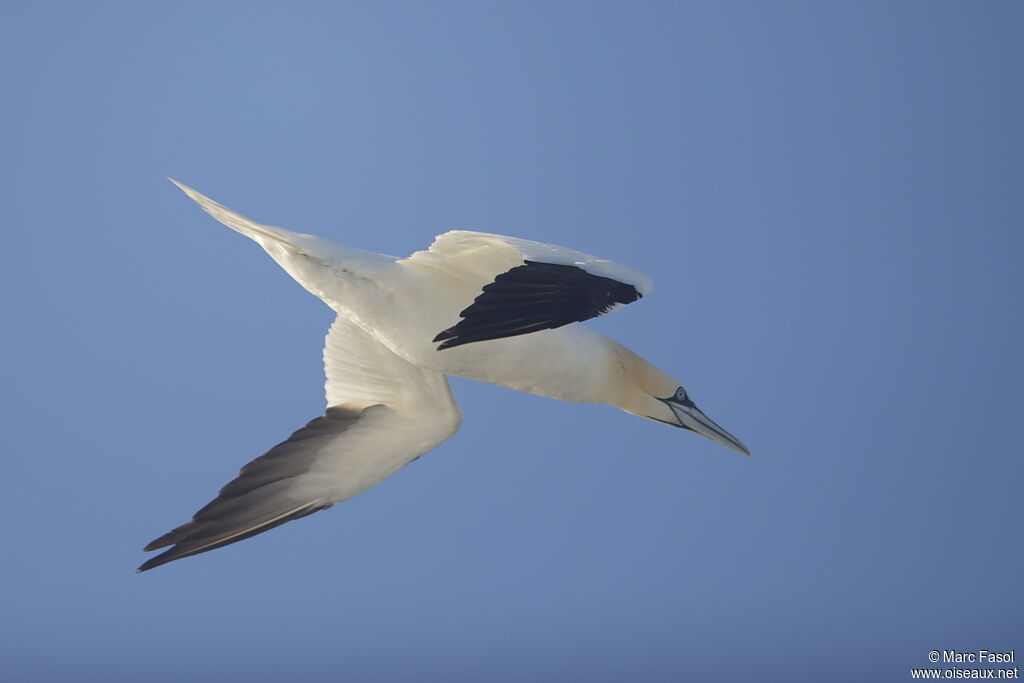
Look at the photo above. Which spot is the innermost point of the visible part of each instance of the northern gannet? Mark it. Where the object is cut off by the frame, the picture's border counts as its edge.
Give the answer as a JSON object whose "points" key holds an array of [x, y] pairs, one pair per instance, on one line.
{"points": [[488, 307]]}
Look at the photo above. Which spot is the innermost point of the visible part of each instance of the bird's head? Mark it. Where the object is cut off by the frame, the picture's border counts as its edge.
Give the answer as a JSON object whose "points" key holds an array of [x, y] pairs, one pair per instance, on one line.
{"points": [[641, 389]]}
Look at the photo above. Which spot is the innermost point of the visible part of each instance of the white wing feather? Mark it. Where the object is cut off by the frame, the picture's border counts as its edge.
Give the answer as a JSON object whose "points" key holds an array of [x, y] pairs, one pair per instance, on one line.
{"points": [[482, 256], [383, 413]]}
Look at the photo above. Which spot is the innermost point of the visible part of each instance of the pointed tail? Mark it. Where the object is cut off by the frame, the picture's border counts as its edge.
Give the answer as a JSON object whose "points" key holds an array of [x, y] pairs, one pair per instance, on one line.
{"points": [[236, 221]]}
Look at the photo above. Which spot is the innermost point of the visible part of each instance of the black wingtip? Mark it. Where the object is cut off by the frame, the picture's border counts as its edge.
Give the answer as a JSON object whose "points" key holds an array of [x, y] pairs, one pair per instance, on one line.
{"points": [[187, 547], [150, 564], [449, 344], [448, 338], [170, 538], [533, 297], [176, 552]]}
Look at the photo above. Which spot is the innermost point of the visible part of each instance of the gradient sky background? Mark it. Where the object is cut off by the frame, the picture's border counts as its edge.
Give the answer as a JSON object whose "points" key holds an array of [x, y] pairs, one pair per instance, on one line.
{"points": [[827, 196]]}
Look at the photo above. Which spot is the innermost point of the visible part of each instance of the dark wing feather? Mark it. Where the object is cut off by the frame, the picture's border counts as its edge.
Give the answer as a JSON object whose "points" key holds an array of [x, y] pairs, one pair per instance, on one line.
{"points": [[536, 296], [258, 500]]}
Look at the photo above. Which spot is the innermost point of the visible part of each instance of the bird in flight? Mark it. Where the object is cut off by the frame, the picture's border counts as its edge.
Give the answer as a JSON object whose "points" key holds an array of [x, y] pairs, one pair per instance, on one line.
{"points": [[492, 308]]}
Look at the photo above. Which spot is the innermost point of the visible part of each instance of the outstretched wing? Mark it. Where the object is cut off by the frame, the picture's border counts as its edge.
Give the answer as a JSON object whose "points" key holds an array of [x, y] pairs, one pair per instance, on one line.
{"points": [[383, 413], [525, 286]]}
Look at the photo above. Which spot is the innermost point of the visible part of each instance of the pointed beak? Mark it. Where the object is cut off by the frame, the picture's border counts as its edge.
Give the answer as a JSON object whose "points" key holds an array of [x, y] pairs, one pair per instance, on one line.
{"points": [[690, 417]]}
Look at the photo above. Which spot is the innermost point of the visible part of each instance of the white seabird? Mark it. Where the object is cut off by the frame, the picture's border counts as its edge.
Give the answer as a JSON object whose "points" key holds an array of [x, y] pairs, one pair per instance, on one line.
{"points": [[488, 307]]}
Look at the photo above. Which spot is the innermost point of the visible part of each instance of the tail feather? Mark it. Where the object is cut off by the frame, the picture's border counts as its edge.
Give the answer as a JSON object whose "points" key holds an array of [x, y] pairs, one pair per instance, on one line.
{"points": [[239, 223]]}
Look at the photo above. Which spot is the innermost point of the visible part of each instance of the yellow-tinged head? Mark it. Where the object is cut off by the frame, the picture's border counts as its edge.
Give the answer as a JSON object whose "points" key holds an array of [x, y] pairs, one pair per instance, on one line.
{"points": [[639, 388]]}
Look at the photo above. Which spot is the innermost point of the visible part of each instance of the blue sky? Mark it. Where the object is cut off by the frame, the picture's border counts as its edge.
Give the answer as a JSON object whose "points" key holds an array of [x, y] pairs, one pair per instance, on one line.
{"points": [[827, 196]]}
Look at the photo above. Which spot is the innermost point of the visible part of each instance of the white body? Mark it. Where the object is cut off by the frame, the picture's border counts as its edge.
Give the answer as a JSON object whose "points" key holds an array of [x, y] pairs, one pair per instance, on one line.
{"points": [[387, 394], [403, 303]]}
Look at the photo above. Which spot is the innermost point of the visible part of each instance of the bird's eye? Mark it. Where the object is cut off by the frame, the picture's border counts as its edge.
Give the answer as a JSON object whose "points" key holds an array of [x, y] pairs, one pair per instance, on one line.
{"points": [[681, 394]]}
